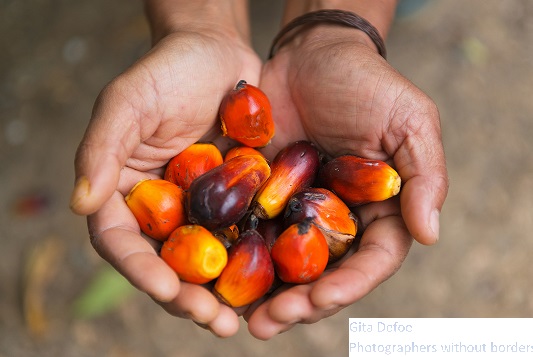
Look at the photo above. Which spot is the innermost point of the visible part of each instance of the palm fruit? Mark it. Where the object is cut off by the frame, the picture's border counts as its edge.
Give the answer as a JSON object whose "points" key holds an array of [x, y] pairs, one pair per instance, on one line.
{"points": [[192, 162], [249, 273], [300, 254], [357, 180], [194, 254], [246, 115], [241, 150], [293, 168], [221, 197], [158, 206], [329, 213]]}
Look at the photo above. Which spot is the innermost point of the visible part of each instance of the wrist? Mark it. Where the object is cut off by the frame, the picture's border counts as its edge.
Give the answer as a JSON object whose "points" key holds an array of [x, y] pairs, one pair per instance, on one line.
{"points": [[380, 13], [326, 34], [228, 17], [328, 26]]}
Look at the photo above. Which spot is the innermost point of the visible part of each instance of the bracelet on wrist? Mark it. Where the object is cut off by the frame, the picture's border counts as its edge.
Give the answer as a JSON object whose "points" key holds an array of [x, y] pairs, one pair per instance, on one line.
{"points": [[339, 17]]}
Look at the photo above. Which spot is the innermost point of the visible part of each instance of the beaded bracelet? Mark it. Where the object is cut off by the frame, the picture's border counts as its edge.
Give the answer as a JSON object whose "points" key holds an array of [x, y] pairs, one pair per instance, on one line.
{"points": [[340, 17]]}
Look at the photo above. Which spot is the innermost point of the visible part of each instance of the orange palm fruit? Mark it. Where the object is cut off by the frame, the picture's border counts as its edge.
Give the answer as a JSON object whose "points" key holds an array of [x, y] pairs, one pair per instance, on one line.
{"points": [[358, 180], [246, 115], [293, 168], [221, 197], [158, 206], [300, 254], [192, 162], [249, 273], [329, 213], [241, 150], [194, 254]]}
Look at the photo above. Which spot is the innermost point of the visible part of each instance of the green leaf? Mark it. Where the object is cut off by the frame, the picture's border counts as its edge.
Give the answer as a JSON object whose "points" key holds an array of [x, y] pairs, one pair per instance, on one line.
{"points": [[104, 293]]}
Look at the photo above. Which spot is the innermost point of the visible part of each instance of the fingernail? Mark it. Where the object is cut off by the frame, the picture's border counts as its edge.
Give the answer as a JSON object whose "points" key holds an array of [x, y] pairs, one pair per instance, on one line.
{"points": [[434, 223], [81, 190]]}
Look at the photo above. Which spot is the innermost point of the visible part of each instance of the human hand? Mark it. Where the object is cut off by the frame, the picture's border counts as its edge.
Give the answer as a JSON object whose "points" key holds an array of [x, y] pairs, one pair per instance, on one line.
{"points": [[332, 88], [165, 102]]}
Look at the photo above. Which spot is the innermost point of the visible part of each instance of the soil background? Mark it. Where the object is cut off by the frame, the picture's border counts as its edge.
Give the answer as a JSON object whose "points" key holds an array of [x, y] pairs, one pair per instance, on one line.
{"points": [[474, 58]]}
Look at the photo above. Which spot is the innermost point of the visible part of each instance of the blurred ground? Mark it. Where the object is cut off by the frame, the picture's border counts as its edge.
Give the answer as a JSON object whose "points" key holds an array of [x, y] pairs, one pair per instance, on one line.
{"points": [[474, 58]]}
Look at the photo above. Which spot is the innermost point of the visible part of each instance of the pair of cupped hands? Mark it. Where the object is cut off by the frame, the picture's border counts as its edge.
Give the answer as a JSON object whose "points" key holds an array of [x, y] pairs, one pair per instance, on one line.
{"points": [[328, 86]]}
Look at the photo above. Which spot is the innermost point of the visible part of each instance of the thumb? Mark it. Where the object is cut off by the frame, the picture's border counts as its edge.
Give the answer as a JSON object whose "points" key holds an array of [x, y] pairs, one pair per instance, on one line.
{"points": [[421, 164], [422, 198], [110, 139]]}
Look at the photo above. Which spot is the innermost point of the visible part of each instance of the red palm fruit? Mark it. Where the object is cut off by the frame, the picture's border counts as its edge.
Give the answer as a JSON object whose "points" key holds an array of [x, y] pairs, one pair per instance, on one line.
{"points": [[158, 206], [357, 180], [329, 213], [194, 254], [293, 168], [246, 115], [249, 273], [300, 254], [241, 150], [222, 196], [270, 229], [192, 162]]}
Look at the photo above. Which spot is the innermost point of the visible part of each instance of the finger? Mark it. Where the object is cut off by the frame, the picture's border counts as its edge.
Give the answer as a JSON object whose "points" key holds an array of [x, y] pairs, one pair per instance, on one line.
{"points": [[370, 212], [421, 164], [262, 326], [294, 306], [384, 245], [225, 324], [110, 139], [116, 237], [383, 248], [279, 312], [197, 303], [129, 177], [422, 198], [193, 302]]}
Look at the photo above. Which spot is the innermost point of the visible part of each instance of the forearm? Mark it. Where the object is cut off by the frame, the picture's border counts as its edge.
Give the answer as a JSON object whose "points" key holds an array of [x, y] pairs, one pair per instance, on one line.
{"points": [[379, 13], [227, 16]]}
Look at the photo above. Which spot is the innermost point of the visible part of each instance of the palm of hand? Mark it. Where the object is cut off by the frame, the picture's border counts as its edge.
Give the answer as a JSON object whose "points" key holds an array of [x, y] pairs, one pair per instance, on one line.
{"points": [[166, 101], [342, 98], [162, 104], [181, 86], [346, 99]]}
